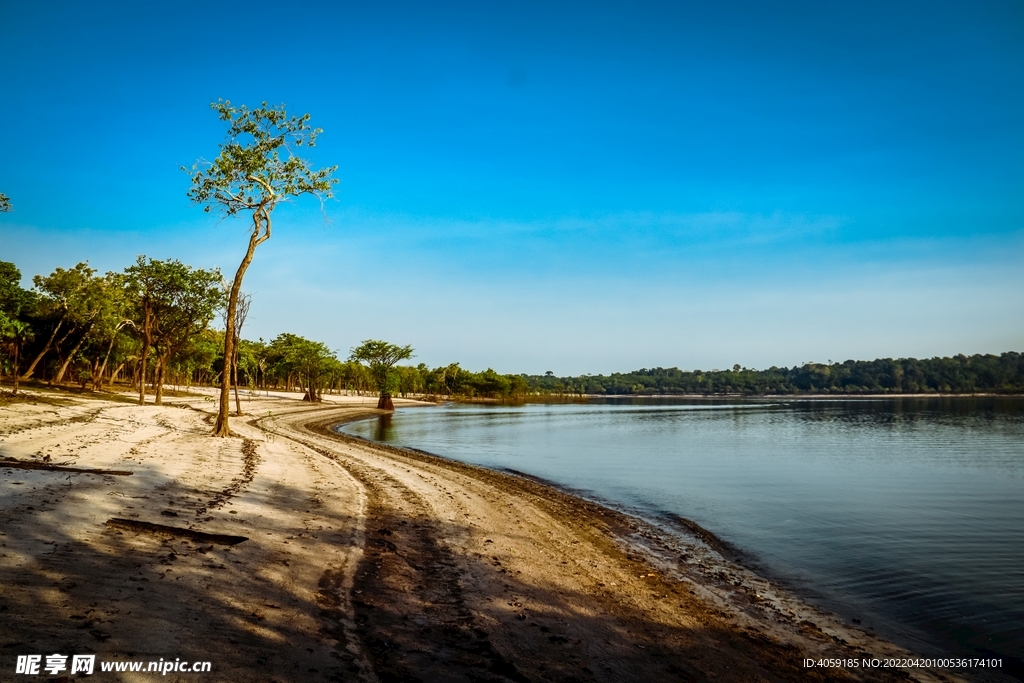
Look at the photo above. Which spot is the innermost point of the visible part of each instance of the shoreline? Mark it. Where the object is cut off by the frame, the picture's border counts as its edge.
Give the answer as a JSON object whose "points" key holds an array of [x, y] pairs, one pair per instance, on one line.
{"points": [[671, 532], [934, 637], [120, 394], [369, 562], [720, 563], [728, 551]]}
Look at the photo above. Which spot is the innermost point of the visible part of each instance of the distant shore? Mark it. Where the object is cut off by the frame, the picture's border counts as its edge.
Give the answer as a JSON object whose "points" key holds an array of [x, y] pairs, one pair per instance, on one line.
{"points": [[801, 396], [571, 398]]}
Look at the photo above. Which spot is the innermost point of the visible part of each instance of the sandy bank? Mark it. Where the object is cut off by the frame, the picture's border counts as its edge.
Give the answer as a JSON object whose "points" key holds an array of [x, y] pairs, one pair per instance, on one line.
{"points": [[362, 562]]}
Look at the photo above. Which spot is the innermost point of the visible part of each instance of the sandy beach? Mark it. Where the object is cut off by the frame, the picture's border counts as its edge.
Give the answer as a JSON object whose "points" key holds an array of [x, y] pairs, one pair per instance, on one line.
{"points": [[362, 562]]}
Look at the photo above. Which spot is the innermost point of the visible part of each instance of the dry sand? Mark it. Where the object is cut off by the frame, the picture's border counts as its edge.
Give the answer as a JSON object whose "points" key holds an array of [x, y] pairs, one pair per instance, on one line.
{"points": [[363, 562]]}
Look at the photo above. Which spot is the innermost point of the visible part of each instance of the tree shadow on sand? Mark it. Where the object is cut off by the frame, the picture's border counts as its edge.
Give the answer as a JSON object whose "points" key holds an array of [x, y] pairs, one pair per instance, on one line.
{"points": [[255, 612]]}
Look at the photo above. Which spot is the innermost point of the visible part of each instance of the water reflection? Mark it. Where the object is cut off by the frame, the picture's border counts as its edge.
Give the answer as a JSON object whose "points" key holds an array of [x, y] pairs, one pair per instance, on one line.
{"points": [[383, 430]]}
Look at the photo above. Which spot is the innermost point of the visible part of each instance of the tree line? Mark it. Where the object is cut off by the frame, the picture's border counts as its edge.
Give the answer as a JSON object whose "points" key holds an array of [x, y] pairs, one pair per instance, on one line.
{"points": [[981, 373], [160, 323], [152, 325]]}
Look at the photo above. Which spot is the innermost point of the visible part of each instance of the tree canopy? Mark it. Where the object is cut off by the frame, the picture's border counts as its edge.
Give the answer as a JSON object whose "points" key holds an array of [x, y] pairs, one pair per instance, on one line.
{"points": [[173, 303], [13, 299], [311, 360], [958, 374], [71, 299], [381, 356], [257, 168]]}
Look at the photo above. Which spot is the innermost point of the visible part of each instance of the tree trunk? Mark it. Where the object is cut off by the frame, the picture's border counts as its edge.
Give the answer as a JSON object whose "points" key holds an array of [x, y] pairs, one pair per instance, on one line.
{"points": [[46, 349], [97, 375], [71, 356], [140, 376], [17, 348], [234, 380], [260, 220], [312, 391], [147, 340], [385, 402], [97, 382], [158, 379]]}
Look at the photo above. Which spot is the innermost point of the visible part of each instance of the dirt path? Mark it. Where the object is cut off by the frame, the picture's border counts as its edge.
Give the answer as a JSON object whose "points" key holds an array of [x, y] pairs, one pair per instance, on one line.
{"points": [[362, 563]]}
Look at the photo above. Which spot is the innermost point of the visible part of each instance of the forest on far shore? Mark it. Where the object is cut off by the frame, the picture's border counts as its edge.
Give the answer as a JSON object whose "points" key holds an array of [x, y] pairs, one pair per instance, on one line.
{"points": [[155, 325], [1002, 374]]}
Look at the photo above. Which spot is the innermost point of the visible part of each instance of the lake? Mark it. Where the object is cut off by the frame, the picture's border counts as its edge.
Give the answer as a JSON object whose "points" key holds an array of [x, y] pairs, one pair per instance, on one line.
{"points": [[907, 514]]}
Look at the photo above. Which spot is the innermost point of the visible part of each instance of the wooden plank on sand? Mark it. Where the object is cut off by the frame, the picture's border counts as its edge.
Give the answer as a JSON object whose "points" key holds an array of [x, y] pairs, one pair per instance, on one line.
{"points": [[164, 530], [28, 465]]}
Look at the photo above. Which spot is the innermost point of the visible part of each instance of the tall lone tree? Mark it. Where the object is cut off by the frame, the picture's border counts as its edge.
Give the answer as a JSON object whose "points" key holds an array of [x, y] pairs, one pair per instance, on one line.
{"points": [[381, 357], [257, 169]]}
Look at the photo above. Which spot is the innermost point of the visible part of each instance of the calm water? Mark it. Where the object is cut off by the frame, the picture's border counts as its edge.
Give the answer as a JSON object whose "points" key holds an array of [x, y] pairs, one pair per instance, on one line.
{"points": [[907, 514]]}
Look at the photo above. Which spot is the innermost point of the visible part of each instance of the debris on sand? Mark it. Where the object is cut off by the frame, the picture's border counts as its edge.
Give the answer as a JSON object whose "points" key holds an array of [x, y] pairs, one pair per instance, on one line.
{"points": [[164, 530], [28, 465]]}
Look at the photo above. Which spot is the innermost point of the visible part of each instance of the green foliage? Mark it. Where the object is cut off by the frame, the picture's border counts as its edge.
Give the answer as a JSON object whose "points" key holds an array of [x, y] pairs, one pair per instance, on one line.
{"points": [[171, 304], [68, 303], [14, 331], [72, 295], [5, 203], [451, 381], [201, 357], [380, 357], [311, 360], [13, 335], [959, 374], [256, 167], [181, 300], [13, 299], [353, 376]]}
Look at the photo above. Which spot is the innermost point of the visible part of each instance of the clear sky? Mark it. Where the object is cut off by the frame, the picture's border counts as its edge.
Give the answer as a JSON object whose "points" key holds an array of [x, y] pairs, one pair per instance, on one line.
{"points": [[575, 187]]}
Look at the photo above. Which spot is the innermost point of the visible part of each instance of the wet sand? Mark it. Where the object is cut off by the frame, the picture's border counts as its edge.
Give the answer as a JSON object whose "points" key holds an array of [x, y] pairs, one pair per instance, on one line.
{"points": [[363, 562]]}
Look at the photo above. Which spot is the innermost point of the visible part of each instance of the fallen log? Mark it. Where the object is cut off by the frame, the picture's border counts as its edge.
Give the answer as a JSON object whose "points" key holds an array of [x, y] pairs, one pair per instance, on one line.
{"points": [[29, 465], [177, 532]]}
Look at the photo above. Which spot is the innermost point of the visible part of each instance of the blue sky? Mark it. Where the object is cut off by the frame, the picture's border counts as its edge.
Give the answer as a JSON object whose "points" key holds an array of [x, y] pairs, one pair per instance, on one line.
{"points": [[553, 186]]}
